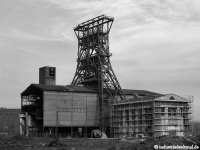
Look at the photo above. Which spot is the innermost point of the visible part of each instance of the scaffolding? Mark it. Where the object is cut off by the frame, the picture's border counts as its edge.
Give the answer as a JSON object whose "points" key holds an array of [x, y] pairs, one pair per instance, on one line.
{"points": [[152, 116]]}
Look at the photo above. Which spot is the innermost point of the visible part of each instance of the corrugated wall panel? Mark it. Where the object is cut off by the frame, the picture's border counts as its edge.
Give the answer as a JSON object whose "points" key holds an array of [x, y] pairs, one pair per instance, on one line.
{"points": [[93, 122], [92, 98], [76, 105], [64, 103], [65, 123], [51, 96], [64, 116], [49, 92], [50, 123], [79, 104], [50, 113], [92, 94], [80, 94], [64, 113], [92, 109], [50, 104], [91, 104], [79, 116], [65, 93], [78, 123], [52, 118], [50, 108], [64, 97], [79, 98], [92, 117]]}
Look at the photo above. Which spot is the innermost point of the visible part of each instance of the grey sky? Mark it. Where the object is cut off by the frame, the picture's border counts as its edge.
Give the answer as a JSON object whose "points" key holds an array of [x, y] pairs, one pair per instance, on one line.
{"points": [[155, 44]]}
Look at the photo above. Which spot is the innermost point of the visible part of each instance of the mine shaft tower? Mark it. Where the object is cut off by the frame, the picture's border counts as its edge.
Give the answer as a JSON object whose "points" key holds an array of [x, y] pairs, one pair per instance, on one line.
{"points": [[93, 63]]}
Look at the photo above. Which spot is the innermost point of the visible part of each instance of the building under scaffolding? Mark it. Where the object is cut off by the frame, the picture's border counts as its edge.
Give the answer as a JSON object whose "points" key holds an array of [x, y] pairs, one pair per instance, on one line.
{"points": [[153, 115]]}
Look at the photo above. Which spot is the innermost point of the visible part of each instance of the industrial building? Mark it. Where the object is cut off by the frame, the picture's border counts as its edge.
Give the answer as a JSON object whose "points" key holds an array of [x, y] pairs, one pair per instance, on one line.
{"points": [[95, 99], [9, 121], [74, 111], [59, 109]]}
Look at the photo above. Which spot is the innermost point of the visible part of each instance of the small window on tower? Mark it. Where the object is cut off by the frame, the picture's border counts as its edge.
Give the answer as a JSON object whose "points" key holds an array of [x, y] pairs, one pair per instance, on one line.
{"points": [[172, 97], [52, 72]]}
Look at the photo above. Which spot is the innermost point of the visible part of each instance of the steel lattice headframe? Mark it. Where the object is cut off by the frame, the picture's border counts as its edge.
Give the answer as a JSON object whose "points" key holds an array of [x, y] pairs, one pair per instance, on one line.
{"points": [[93, 64]]}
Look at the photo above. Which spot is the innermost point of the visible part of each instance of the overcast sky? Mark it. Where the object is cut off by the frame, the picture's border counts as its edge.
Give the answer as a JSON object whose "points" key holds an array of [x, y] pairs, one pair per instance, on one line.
{"points": [[155, 44]]}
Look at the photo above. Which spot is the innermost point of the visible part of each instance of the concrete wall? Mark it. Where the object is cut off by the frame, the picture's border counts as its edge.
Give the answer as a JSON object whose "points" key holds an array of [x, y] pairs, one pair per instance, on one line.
{"points": [[70, 109]]}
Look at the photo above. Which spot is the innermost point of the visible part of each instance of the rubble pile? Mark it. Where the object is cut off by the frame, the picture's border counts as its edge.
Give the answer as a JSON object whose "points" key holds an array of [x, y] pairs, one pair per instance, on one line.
{"points": [[22, 143], [12, 140], [149, 143], [117, 148], [56, 143], [164, 140], [39, 143]]}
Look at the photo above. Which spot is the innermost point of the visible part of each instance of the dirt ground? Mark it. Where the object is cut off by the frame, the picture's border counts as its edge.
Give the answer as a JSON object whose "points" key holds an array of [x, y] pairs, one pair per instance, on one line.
{"points": [[36, 143]]}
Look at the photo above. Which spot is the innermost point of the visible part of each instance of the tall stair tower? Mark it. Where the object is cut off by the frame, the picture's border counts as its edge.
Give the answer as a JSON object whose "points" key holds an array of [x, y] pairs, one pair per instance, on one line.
{"points": [[94, 69]]}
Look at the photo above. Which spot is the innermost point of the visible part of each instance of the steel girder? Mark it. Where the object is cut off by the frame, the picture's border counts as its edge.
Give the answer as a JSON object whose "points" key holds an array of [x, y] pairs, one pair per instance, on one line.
{"points": [[94, 68]]}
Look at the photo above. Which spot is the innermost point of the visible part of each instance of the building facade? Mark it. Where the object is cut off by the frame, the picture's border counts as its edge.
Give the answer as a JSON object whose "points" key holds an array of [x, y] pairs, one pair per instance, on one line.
{"points": [[59, 109], [153, 116]]}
